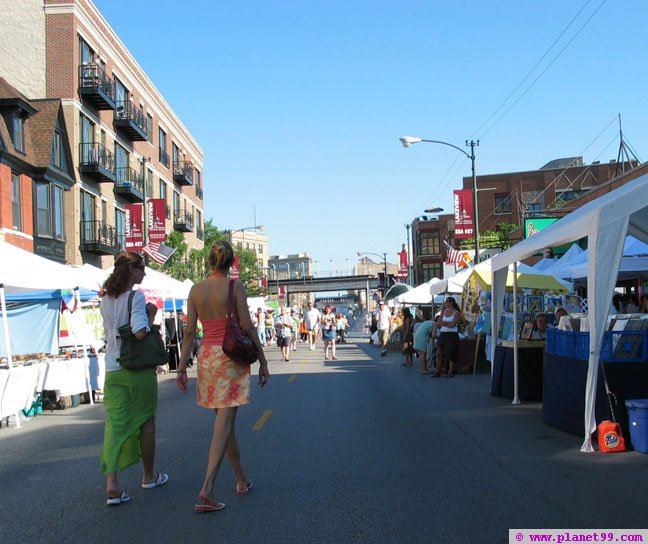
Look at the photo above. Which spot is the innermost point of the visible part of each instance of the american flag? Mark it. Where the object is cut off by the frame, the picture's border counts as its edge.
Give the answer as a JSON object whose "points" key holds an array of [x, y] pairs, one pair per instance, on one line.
{"points": [[453, 256], [159, 252]]}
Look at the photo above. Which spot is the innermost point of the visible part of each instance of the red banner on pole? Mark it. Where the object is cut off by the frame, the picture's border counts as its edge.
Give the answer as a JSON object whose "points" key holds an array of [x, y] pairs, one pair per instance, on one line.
{"points": [[156, 220], [463, 214], [402, 265], [234, 270], [134, 228]]}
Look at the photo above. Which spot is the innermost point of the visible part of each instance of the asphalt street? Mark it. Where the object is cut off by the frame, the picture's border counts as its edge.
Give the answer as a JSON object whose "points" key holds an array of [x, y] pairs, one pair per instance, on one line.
{"points": [[355, 450]]}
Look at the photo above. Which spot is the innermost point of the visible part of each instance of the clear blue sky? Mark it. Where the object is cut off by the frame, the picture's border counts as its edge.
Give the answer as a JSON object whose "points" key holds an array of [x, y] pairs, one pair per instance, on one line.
{"points": [[299, 104]]}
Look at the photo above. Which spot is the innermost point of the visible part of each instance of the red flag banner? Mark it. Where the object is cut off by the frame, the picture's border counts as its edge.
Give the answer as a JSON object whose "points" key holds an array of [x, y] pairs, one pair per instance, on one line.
{"points": [[402, 265], [156, 220], [134, 225], [463, 214], [234, 270]]}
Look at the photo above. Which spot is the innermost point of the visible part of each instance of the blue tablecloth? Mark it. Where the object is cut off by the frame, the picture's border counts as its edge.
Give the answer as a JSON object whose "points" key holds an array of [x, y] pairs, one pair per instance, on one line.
{"points": [[529, 373]]}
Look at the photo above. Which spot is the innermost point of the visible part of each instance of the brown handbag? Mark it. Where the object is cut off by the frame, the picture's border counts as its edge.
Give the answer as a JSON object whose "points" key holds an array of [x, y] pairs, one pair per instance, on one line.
{"points": [[237, 345]]}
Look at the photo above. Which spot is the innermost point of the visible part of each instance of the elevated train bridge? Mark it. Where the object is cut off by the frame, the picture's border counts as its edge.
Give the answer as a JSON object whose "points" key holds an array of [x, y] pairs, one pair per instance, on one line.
{"points": [[311, 284]]}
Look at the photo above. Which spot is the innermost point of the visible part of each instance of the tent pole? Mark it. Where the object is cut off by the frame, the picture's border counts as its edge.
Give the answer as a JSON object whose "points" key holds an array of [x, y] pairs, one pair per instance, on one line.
{"points": [[77, 297], [5, 327], [516, 398]]}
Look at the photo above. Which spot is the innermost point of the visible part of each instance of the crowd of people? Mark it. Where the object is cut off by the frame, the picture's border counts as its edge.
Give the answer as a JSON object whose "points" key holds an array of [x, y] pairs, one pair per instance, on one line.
{"points": [[290, 328]]}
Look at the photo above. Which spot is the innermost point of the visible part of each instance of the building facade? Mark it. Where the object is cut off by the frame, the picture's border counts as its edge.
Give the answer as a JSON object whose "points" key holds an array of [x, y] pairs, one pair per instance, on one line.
{"points": [[127, 144], [35, 172], [252, 240], [295, 266], [554, 190]]}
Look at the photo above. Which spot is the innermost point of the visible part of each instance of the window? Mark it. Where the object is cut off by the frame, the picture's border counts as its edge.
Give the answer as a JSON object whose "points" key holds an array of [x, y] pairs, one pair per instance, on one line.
{"points": [[86, 54], [533, 209], [58, 212], [18, 133], [502, 204], [120, 228], [149, 183], [163, 191], [49, 211], [198, 181], [16, 208], [58, 154], [176, 203], [162, 143], [175, 153], [149, 128], [86, 139], [429, 271], [198, 219], [568, 196], [121, 95], [429, 243]]}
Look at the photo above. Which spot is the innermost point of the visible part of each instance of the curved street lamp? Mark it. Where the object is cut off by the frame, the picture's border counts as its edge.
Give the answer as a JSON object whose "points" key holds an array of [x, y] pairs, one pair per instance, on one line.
{"points": [[408, 141], [383, 256]]}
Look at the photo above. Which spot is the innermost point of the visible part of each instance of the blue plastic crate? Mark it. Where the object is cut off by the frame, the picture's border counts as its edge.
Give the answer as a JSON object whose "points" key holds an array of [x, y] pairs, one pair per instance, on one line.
{"points": [[565, 343], [551, 341], [625, 346], [581, 345]]}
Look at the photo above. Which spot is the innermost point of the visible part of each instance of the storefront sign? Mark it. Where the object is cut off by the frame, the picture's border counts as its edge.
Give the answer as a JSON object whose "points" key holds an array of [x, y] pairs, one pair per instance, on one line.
{"points": [[156, 220], [534, 226], [134, 232], [463, 214]]}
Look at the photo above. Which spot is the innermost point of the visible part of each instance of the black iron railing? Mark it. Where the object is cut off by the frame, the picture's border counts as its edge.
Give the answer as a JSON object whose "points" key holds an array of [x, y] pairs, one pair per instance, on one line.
{"points": [[183, 172], [95, 154], [99, 236], [127, 111], [127, 177], [183, 219], [93, 76]]}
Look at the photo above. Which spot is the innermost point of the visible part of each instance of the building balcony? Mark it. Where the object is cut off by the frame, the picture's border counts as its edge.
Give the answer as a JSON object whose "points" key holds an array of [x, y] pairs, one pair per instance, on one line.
{"points": [[129, 184], [199, 192], [164, 157], [96, 87], [97, 162], [183, 172], [99, 237], [183, 222], [131, 121]]}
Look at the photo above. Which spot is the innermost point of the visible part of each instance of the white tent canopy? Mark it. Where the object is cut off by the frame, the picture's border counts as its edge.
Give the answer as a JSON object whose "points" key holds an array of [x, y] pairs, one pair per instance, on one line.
{"points": [[420, 294], [605, 222]]}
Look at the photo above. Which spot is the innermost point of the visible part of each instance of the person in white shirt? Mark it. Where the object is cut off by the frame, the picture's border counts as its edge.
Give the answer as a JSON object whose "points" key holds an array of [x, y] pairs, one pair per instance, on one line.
{"points": [[384, 323], [284, 325], [312, 319]]}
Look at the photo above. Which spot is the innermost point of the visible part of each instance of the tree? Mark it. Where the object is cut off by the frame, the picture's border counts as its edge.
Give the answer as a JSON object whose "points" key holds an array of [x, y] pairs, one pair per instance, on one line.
{"points": [[195, 264]]}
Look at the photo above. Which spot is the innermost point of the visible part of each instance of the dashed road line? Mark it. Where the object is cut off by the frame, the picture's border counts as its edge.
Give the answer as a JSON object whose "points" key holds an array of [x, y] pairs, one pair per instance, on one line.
{"points": [[262, 420]]}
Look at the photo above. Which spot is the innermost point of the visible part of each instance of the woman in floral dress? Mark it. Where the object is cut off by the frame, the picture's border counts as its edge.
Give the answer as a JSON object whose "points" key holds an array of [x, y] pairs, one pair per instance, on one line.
{"points": [[222, 385]]}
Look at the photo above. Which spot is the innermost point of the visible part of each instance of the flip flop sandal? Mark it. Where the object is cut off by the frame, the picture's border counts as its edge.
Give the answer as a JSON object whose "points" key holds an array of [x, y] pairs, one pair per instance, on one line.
{"points": [[160, 480], [245, 491], [208, 506], [114, 501]]}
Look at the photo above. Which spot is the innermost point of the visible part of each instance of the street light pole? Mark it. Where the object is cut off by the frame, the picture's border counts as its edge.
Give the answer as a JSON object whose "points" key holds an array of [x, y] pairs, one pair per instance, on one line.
{"points": [[383, 256], [407, 141], [407, 227]]}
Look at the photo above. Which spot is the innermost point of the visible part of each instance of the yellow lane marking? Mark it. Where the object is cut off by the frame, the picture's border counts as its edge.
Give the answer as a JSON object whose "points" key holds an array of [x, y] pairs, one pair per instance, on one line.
{"points": [[292, 378], [262, 420]]}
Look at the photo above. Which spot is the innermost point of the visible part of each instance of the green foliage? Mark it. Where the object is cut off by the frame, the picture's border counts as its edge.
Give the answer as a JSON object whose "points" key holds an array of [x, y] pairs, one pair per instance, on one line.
{"points": [[491, 239], [195, 263]]}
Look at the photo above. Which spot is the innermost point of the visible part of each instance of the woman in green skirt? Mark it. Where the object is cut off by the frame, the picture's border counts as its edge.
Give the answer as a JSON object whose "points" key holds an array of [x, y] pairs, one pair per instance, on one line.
{"points": [[130, 397]]}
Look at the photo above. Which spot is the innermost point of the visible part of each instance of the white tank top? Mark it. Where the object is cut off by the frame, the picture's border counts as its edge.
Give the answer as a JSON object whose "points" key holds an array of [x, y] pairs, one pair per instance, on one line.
{"points": [[448, 319]]}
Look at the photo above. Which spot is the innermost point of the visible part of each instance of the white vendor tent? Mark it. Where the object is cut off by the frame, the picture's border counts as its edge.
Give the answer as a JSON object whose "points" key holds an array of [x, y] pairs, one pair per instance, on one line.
{"points": [[420, 294], [605, 222]]}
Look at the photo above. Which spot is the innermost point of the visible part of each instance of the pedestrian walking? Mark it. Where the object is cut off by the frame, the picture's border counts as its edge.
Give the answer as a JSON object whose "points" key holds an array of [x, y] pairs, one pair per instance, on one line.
{"points": [[312, 319], [269, 327], [130, 396], [408, 337], [284, 325], [295, 330], [223, 385], [384, 323], [260, 326], [328, 331]]}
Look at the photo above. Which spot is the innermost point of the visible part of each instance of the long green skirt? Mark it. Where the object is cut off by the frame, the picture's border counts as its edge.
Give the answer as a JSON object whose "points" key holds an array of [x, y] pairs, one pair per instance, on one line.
{"points": [[130, 399]]}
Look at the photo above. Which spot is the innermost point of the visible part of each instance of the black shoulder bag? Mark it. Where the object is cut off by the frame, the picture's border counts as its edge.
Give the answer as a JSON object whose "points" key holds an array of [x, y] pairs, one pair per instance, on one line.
{"points": [[137, 354]]}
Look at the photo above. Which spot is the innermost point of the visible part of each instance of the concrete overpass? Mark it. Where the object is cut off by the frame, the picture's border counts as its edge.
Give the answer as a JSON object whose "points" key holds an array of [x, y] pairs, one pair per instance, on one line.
{"points": [[311, 284]]}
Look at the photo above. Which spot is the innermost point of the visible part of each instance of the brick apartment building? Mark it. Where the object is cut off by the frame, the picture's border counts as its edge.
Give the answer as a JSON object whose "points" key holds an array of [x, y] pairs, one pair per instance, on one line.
{"points": [[554, 190], [126, 143], [35, 171]]}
